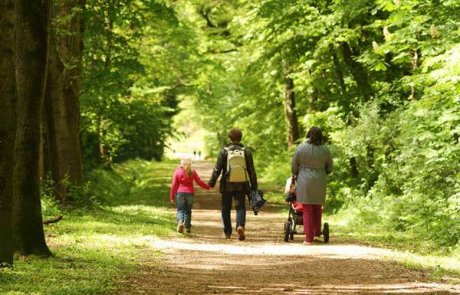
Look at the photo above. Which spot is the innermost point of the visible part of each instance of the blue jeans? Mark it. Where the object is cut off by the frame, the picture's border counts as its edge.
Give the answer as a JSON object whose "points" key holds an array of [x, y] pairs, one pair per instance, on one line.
{"points": [[184, 203], [240, 207]]}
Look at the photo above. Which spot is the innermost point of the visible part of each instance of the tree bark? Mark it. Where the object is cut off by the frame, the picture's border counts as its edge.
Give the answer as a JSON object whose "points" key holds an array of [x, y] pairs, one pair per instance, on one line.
{"points": [[339, 73], [290, 112], [358, 72], [62, 96], [30, 19], [7, 128], [353, 167]]}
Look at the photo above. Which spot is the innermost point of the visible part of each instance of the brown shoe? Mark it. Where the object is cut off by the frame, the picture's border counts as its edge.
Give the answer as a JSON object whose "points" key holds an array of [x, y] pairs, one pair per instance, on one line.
{"points": [[240, 231], [188, 230], [227, 236], [180, 228]]}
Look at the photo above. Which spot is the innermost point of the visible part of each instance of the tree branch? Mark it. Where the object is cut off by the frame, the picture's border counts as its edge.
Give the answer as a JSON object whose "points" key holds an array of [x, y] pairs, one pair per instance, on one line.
{"points": [[53, 220]]}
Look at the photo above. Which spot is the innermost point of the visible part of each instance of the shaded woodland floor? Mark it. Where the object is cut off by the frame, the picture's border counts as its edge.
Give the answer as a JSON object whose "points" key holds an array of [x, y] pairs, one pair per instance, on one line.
{"points": [[204, 263]]}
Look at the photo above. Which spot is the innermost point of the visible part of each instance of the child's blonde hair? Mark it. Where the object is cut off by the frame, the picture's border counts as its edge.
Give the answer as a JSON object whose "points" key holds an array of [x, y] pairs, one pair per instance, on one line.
{"points": [[187, 164]]}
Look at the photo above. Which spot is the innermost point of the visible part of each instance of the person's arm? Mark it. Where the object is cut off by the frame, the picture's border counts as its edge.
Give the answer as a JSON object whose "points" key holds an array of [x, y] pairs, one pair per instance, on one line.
{"points": [[251, 170], [174, 187], [329, 162], [295, 164], [217, 169], [198, 180]]}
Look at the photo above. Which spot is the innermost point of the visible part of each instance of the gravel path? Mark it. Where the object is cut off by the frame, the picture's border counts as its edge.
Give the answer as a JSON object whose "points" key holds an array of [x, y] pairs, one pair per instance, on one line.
{"points": [[205, 263]]}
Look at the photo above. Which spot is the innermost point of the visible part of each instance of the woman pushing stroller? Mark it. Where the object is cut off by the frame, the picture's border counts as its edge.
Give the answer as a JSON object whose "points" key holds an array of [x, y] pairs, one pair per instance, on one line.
{"points": [[311, 162]]}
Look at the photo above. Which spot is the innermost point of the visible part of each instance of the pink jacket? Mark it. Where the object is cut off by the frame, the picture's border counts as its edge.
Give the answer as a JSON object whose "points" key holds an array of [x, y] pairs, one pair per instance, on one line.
{"points": [[182, 183]]}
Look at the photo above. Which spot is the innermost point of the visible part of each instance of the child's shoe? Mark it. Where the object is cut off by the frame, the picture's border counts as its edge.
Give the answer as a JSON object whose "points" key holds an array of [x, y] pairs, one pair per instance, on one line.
{"points": [[188, 230]]}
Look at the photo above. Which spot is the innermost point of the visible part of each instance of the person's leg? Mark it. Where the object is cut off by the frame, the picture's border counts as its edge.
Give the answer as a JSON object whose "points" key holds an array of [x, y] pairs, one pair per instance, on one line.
{"points": [[188, 211], [308, 222], [240, 214], [225, 210], [317, 214], [180, 203], [240, 207]]}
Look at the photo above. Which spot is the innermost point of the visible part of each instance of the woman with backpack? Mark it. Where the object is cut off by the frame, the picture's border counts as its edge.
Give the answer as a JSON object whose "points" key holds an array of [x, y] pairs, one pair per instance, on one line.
{"points": [[182, 193], [311, 163]]}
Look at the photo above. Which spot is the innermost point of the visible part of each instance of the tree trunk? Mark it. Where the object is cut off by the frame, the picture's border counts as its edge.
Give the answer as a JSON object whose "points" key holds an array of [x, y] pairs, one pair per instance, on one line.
{"points": [[290, 112], [414, 66], [62, 97], [353, 167], [338, 73], [358, 72], [31, 44], [7, 128]]}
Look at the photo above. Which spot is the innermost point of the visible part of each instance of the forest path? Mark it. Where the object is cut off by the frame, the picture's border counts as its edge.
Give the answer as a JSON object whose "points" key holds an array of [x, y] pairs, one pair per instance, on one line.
{"points": [[205, 263]]}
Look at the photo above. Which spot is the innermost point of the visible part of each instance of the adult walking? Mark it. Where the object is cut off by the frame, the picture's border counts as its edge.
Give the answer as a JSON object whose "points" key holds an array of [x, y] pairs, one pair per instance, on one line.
{"points": [[236, 165], [311, 163]]}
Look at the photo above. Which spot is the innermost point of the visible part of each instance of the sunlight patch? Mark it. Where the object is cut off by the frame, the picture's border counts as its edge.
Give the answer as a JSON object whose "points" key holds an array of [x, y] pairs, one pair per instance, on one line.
{"points": [[330, 251]]}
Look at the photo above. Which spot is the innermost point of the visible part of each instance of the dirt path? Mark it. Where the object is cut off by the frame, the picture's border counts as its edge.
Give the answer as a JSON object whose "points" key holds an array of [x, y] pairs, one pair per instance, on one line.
{"points": [[205, 263]]}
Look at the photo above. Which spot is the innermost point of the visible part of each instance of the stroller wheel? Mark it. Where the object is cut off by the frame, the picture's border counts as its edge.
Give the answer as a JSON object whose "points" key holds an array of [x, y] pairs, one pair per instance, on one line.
{"points": [[326, 232], [287, 230]]}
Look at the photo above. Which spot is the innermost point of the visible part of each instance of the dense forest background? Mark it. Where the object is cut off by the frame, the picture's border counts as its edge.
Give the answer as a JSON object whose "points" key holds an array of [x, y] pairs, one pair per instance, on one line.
{"points": [[381, 77]]}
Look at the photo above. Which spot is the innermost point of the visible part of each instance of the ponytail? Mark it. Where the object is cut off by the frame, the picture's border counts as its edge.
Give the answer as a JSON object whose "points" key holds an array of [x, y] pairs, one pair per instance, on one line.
{"points": [[188, 169]]}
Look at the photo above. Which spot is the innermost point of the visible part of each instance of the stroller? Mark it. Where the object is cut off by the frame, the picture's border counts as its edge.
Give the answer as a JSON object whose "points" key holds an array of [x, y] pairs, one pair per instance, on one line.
{"points": [[295, 216]]}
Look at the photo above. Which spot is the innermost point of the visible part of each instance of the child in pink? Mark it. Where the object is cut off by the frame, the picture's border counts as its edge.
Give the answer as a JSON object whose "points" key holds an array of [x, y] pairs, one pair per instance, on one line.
{"points": [[182, 193]]}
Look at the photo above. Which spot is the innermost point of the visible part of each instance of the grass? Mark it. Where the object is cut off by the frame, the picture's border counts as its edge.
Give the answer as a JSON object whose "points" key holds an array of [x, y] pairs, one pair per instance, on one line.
{"points": [[95, 247], [411, 251]]}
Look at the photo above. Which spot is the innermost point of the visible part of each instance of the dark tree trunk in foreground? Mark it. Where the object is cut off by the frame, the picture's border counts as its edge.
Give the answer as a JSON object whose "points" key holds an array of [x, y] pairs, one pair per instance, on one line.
{"points": [[31, 59], [62, 96], [290, 112], [7, 128]]}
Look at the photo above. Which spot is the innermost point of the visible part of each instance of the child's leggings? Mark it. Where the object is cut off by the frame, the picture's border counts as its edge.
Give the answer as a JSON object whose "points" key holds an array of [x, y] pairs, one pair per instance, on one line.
{"points": [[184, 203]]}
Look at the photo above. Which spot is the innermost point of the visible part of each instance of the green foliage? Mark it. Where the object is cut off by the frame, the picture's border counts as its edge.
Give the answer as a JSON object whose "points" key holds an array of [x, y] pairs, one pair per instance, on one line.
{"points": [[80, 196], [130, 81], [50, 207], [381, 79], [408, 169]]}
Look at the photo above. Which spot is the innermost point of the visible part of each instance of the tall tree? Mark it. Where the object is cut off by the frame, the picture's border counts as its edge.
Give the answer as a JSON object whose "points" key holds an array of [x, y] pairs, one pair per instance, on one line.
{"points": [[62, 95], [7, 127], [31, 44], [290, 112]]}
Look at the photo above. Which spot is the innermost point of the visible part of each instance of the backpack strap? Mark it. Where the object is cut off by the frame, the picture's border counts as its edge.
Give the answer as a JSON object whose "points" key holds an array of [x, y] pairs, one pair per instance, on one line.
{"points": [[226, 160]]}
